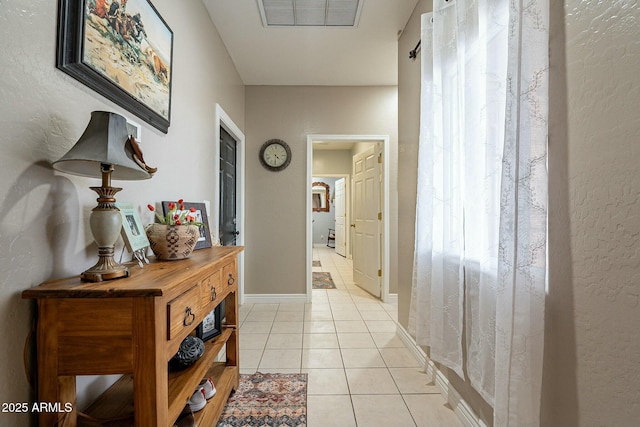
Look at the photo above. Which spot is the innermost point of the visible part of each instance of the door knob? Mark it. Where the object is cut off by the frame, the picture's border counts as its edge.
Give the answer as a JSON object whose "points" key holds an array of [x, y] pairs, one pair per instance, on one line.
{"points": [[353, 225]]}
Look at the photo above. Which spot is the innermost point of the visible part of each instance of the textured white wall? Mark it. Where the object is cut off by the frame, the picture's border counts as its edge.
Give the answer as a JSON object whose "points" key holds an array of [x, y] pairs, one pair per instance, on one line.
{"points": [[42, 112], [592, 374]]}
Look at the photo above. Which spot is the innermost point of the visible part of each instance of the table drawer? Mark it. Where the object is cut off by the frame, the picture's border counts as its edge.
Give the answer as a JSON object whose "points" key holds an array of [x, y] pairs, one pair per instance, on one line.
{"points": [[230, 274], [182, 312], [212, 291]]}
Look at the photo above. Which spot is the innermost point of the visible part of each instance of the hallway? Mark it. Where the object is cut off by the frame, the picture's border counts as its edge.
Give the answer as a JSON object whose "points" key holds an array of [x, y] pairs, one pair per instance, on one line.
{"points": [[360, 372]]}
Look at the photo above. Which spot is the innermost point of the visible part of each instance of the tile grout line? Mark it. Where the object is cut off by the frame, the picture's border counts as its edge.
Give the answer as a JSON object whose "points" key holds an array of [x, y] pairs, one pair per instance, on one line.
{"points": [[347, 294]]}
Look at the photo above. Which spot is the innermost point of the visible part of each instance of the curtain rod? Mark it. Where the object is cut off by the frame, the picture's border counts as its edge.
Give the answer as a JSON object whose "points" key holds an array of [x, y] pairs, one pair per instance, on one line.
{"points": [[414, 53]]}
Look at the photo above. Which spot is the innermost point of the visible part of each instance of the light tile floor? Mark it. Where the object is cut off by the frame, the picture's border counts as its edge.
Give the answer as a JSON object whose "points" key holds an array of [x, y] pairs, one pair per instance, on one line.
{"points": [[360, 373]]}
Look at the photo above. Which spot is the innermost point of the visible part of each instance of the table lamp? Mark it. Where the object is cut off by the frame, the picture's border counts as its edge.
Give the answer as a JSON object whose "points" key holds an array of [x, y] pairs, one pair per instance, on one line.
{"points": [[102, 152]]}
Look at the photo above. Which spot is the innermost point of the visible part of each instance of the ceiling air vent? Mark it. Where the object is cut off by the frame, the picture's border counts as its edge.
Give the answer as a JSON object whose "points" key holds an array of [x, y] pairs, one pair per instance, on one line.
{"points": [[310, 13]]}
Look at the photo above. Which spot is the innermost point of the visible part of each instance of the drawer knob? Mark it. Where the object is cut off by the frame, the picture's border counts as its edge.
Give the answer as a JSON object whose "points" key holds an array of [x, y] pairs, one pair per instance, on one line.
{"points": [[189, 317], [213, 293], [231, 280]]}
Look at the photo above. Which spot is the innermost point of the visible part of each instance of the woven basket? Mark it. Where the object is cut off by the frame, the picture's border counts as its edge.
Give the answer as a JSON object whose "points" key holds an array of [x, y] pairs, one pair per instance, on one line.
{"points": [[170, 242]]}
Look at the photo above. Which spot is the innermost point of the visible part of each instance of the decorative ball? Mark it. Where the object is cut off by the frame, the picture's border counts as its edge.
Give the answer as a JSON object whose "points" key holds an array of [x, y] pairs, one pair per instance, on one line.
{"points": [[191, 349]]}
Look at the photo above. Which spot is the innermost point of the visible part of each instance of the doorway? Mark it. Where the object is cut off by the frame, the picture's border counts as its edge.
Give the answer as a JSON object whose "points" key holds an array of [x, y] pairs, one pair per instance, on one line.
{"points": [[227, 130], [383, 143], [328, 225], [228, 207]]}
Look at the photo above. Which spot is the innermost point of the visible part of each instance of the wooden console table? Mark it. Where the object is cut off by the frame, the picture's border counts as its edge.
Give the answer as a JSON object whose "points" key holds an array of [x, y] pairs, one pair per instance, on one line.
{"points": [[134, 326]]}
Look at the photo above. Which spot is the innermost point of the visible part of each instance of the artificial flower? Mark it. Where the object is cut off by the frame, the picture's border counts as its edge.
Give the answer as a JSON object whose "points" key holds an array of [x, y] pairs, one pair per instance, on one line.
{"points": [[177, 215]]}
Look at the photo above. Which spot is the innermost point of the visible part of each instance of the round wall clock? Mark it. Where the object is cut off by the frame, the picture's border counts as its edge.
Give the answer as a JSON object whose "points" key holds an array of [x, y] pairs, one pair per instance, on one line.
{"points": [[275, 155]]}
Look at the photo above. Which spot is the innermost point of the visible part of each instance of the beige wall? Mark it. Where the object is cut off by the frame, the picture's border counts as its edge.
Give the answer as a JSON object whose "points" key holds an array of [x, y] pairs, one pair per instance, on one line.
{"points": [[592, 348], [591, 371], [42, 113], [408, 135], [332, 162], [276, 201]]}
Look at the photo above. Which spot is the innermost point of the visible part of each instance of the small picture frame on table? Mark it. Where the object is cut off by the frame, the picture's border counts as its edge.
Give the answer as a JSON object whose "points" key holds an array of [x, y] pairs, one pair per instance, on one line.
{"points": [[133, 234], [211, 326], [204, 241]]}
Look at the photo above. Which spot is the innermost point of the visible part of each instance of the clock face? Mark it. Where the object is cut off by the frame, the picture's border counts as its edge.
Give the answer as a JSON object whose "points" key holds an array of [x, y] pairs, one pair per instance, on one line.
{"points": [[275, 155]]}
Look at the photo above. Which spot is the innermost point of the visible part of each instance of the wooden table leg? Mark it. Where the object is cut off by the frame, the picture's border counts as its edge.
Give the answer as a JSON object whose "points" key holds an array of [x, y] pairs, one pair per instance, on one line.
{"points": [[52, 388], [150, 364]]}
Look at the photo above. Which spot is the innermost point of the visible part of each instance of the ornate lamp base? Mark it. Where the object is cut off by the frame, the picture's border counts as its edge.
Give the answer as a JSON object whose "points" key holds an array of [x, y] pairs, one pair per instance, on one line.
{"points": [[105, 269], [105, 222]]}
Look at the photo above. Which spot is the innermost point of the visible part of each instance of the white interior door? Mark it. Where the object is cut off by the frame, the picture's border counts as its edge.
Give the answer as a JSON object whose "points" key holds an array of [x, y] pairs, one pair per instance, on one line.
{"points": [[341, 211], [366, 224]]}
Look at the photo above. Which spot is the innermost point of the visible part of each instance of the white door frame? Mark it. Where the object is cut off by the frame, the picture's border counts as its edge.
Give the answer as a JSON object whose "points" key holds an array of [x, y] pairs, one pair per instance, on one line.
{"points": [[223, 120], [384, 140]]}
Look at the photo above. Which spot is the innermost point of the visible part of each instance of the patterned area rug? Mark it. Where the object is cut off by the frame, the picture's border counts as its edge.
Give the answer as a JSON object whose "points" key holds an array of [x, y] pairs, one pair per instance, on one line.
{"points": [[316, 264], [322, 280], [267, 400]]}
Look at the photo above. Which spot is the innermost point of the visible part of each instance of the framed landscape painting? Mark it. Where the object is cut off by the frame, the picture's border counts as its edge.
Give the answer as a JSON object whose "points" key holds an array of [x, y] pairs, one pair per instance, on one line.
{"points": [[122, 49]]}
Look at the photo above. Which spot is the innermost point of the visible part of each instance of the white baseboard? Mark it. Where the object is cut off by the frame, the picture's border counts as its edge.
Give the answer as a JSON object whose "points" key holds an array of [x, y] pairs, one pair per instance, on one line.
{"points": [[458, 404], [391, 299], [411, 345], [274, 298]]}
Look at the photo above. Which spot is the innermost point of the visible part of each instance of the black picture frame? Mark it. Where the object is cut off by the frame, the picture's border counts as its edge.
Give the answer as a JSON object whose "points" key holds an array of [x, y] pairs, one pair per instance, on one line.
{"points": [[211, 326], [201, 216], [90, 36]]}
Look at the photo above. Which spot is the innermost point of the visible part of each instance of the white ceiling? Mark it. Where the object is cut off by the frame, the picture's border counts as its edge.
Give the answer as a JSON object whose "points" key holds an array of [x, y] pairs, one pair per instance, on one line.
{"points": [[313, 56]]}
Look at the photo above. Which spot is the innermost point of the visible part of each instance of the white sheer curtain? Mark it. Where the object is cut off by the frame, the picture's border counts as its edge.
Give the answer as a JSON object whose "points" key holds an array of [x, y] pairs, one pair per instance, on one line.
{"points": [[480, 253]]}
